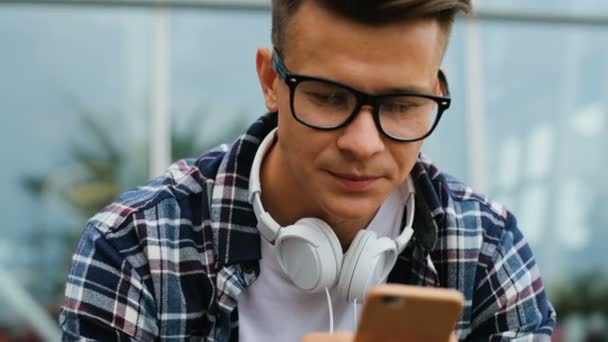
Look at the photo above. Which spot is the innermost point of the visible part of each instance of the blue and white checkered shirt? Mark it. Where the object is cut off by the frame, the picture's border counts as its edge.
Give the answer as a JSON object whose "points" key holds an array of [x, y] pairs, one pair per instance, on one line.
{"points": [[167, 261]]}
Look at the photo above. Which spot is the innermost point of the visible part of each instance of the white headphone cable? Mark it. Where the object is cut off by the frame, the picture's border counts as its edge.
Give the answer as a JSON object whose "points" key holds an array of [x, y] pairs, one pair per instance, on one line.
{"points": [[331, 312], [355, 314]]}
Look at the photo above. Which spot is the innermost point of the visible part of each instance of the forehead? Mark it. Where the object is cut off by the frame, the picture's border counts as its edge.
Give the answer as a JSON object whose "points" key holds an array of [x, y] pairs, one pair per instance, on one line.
{"points": [[322, 43], [308, 15]]}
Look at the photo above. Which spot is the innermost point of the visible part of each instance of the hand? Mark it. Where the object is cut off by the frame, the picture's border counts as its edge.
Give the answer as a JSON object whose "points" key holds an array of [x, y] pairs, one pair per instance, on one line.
{"points": [[325, 337]]}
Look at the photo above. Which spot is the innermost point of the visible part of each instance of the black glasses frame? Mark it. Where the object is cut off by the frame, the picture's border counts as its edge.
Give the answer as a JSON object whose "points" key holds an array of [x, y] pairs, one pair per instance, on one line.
{"points": [[292, 80]]}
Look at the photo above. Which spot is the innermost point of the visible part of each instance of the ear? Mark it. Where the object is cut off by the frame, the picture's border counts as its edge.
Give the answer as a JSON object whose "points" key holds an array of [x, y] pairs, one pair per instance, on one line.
{"points": [[268, 78], [439, 89]]}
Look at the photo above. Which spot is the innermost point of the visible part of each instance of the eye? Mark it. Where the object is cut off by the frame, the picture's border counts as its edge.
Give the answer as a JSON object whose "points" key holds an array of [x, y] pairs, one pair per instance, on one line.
{"points": [[403, 104], [334, 99], [398, 106]]}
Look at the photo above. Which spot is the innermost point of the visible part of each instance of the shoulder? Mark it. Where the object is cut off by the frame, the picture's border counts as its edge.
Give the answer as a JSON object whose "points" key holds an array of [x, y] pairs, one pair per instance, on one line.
{"points": [[458, 203], [168, 195], [192, 195]]}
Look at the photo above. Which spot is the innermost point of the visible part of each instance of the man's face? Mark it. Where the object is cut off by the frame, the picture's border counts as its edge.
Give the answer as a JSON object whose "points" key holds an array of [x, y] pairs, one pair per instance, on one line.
{"points": [[346, 174]]}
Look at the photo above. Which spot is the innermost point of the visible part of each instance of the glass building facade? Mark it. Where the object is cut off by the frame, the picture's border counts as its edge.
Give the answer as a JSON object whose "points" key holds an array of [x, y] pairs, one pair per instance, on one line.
{"points": [[96, 99]]}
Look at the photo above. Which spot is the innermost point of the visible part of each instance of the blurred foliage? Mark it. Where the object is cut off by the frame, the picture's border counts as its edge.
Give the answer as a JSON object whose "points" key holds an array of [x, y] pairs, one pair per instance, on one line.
{"points": [[585, 294], [95, 176]]}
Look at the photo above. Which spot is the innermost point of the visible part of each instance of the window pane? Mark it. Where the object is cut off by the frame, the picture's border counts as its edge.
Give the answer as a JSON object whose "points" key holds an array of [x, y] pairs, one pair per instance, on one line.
{"points": [[215, 90], [588, 7], [546, 109], [73, 110], [546, 106], [447, 146]]}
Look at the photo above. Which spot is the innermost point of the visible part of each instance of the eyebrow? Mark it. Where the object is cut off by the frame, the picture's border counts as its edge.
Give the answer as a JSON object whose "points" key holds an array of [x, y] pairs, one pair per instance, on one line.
{"points": [[410, 89], [407, 89]]}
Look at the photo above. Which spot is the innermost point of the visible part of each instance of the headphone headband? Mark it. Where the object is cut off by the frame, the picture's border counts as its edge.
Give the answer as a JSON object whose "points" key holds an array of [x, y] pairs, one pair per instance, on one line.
{"points": [[268, 227]]}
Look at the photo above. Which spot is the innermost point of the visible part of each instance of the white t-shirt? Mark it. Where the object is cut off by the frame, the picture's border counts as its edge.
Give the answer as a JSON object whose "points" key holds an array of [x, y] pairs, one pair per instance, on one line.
{"points": [[273, 309]]}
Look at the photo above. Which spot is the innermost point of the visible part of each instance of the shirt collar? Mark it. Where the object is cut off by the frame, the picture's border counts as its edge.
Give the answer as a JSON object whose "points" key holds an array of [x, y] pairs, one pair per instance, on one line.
{"points": [[237, 238], [429, 212]]}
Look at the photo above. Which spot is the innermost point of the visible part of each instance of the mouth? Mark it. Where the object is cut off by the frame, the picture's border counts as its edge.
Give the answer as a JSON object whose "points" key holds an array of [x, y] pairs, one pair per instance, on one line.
{"points": [[355, 182]]}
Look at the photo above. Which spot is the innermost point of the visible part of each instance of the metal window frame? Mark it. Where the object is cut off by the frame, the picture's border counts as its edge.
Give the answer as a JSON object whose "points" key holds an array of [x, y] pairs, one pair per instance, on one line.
{"points": [[535, 17]]}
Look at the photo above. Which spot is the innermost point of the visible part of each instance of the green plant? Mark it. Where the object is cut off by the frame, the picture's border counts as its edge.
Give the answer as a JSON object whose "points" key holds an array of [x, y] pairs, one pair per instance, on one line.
{"points": [[95, 176], [583, 294]]}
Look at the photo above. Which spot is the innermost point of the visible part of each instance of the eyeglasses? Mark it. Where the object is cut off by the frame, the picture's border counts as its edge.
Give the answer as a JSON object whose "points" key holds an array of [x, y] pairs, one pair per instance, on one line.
{"points": [[326, 105]]}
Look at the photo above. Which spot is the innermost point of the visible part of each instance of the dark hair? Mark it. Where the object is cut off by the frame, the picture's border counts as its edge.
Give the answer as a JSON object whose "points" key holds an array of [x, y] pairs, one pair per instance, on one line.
{"points": [[373, 12]]}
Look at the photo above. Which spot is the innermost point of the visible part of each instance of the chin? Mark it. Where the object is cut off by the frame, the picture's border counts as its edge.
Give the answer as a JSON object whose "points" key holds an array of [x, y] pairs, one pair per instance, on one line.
{"points": [[344, 208]]}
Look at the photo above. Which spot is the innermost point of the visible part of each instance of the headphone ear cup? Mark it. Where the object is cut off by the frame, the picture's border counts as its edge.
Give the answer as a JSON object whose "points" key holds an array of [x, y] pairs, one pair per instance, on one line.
{"points": [[310, 254], [366, 264]]}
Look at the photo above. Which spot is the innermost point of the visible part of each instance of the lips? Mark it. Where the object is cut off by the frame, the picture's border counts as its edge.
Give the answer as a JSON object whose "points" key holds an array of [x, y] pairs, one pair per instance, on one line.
{"points": [[354, 177], [355, 182]]}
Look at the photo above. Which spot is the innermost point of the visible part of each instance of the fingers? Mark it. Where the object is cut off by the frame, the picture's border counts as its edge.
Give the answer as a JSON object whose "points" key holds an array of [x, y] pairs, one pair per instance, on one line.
{"points": [[325, 337]]}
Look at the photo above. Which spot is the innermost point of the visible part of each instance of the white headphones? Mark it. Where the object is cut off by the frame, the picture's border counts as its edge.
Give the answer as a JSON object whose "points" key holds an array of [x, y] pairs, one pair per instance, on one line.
{"points": [[309, 251]]}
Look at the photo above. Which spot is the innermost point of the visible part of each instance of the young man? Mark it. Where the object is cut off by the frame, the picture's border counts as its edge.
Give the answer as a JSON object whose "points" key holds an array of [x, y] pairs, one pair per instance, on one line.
{"points": [[247, 242]]}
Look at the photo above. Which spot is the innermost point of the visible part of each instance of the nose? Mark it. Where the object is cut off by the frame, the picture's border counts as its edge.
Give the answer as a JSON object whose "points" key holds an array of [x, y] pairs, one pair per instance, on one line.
{"points": [[361, 138]]}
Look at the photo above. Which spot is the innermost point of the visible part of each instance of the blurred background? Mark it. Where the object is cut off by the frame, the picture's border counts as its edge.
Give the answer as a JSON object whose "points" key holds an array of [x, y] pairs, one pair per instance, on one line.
{"points": [[97, 96]]}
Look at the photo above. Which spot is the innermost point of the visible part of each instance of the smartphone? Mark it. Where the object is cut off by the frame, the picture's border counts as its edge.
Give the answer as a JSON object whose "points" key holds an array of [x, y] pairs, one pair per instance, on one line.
{"points": [[401, 313]]}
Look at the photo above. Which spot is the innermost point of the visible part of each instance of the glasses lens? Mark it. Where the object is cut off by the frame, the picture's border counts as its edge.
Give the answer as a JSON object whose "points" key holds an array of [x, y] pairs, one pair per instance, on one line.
{"points": [[322, 104], [408, 117]]}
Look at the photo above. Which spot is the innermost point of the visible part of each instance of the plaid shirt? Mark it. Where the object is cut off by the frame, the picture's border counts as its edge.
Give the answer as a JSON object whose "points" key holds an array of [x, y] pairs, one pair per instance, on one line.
{"points": [[168, 260]]}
